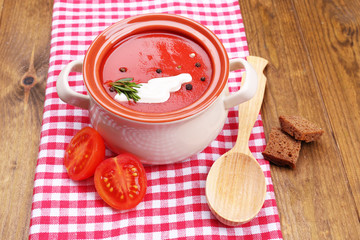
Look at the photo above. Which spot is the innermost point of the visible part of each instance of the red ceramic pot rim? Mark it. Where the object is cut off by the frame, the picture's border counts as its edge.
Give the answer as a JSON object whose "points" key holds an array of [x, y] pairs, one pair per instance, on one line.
{"points": [[155, 22]]}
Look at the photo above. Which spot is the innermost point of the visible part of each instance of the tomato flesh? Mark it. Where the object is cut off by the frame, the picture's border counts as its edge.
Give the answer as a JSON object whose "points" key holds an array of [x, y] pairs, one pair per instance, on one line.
{"points": [[121, 181], [84, 153]]}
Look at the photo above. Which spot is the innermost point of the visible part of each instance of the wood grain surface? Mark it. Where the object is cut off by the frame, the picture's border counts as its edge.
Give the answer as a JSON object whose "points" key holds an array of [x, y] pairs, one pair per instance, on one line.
{"points": [[314, 55], [313, 49], [24, 49]]}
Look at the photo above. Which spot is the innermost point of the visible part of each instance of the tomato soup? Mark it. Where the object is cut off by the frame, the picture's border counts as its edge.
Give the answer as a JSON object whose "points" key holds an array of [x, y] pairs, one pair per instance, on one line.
{"points": [[146, 56]]}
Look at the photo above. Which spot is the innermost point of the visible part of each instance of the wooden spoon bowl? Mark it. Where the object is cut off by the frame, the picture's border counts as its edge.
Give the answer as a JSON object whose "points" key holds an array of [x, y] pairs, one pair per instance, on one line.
{"points": [[235, 185]]}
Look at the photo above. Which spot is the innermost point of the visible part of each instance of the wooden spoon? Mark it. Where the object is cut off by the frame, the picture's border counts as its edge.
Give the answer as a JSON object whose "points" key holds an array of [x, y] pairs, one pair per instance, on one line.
{"points": [[235, 185]]}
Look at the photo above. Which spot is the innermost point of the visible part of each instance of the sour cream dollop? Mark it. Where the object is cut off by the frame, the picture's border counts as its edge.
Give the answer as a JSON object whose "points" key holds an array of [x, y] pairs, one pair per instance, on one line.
{"points": [[157, 90]]}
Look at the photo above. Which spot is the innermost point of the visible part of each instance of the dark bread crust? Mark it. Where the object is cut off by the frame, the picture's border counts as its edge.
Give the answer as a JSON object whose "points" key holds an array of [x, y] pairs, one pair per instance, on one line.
{"points": [[300, 128], [281, 149]]}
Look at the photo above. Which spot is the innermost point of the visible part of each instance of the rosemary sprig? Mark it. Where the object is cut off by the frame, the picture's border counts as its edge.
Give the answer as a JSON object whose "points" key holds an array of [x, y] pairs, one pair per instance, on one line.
{"points": [[127, 87]]}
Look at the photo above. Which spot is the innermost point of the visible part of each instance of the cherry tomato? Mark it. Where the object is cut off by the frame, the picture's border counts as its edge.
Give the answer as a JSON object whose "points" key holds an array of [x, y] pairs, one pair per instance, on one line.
{"points": [[84, 153], [121, 181]]}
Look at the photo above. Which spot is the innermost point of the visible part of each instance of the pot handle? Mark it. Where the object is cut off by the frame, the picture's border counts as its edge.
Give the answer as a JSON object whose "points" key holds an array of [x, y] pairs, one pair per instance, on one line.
{"points": [[248, 88], [65, 92]]}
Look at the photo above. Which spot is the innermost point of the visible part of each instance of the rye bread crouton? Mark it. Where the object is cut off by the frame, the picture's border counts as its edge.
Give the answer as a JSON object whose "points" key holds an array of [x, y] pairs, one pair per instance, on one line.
{"points": [[300, 128], [282, 149]]}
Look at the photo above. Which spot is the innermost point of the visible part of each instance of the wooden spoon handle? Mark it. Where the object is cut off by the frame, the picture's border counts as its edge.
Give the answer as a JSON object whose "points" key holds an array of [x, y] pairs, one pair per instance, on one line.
{"points": [[249, 111]]}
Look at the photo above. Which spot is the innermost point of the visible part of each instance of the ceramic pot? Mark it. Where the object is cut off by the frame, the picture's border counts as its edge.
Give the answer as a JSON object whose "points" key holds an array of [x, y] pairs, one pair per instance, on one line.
{"points": [[157, 138]]}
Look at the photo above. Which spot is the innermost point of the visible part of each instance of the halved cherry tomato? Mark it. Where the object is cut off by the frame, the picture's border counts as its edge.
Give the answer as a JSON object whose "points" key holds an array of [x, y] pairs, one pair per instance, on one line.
{"points": [[84, 153], [121, 181]]}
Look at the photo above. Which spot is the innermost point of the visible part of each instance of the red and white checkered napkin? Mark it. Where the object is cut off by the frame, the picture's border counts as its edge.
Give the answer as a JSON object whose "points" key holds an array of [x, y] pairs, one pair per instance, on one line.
{"points": [[175, 205]]}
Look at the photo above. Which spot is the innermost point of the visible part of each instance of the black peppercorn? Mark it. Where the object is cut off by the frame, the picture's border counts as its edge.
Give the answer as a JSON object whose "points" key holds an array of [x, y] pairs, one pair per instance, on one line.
{"points": [[112, 89], [197, 64], [202, 78], [158, 70], [123, 69], [188, 86]]}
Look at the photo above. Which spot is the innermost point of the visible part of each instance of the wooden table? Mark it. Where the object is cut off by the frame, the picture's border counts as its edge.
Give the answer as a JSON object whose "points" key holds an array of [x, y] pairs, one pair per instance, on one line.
{"points": [[314, 52]]}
